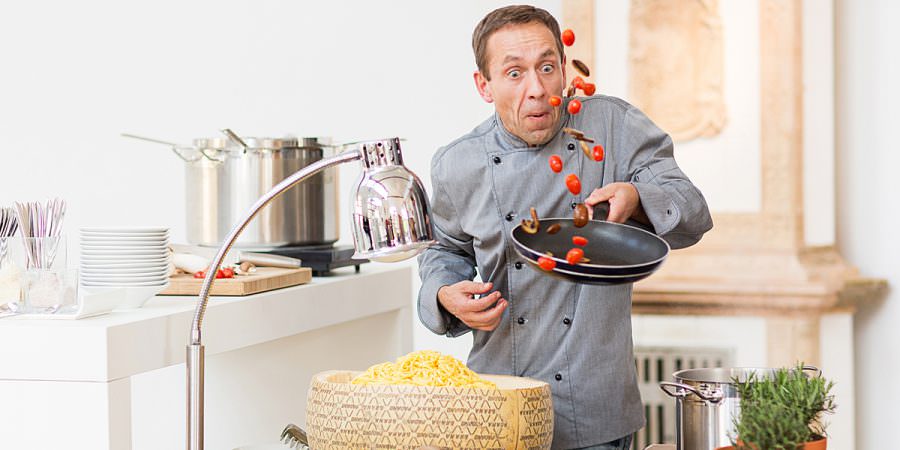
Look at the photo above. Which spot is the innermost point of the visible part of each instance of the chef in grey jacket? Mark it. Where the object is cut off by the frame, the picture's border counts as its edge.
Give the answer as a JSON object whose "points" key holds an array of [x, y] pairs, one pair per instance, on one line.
{"points": [[575, 337]]}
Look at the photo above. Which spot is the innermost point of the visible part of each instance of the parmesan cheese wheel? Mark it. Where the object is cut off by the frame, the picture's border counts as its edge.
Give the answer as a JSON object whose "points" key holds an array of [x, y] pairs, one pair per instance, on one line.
{"points": [[340, 415]]}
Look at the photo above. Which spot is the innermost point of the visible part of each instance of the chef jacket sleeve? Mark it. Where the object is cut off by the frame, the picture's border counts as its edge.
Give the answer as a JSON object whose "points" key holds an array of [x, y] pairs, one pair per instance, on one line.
{"points": [[450, 260], [675, 207]]}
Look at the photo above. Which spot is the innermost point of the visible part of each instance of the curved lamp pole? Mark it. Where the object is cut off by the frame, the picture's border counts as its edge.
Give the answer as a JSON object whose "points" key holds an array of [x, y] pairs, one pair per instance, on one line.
{"points": [[391, 222]]}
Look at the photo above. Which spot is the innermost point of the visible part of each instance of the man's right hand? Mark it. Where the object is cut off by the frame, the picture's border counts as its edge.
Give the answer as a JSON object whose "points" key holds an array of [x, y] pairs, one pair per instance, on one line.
{"points": [[483, 313]]}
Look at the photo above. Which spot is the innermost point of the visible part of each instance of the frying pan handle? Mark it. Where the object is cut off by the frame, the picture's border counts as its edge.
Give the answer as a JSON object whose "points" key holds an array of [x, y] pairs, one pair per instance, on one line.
{"points": [[683, 390], [601, 211]]}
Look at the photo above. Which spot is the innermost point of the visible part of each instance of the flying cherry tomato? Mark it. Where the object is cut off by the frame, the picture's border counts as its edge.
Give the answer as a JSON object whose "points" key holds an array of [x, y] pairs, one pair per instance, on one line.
{"points": [[589, 89], [546, 263], [555, 100], [574, 106], [597, 153], [556, 164], [579, 240], [568, 37], [578, 82], [573, 183], [574, 256]]}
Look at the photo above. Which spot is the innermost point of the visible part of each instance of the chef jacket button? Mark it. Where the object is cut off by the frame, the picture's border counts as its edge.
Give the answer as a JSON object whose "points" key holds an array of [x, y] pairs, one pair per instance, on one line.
{"points": [[567, 321], [509, 217], [571, 146], [496, 160], [558, 377], [521, 321], [573, 205], [669, 212], [518, 265]]}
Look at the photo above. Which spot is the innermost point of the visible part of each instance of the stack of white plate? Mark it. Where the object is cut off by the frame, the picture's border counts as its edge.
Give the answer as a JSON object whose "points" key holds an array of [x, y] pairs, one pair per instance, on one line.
{"points": [[135, 259]]}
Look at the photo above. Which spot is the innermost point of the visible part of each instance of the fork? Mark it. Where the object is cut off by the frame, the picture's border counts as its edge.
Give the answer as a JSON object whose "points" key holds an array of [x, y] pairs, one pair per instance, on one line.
{"points": [[294, 437]]}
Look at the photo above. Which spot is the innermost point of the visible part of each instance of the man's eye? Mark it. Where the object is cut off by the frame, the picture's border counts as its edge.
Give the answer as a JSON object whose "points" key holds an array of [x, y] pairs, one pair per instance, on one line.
{"points": [[513, 74], [547, 68]]}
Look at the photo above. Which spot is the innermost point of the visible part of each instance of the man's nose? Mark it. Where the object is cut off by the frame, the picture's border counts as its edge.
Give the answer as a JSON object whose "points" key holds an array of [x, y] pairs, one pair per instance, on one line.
{"points": [[535, 86]]}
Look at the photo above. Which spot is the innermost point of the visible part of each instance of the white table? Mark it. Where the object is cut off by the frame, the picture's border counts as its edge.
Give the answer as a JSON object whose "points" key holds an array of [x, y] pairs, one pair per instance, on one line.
{"points": [[118, 381]]}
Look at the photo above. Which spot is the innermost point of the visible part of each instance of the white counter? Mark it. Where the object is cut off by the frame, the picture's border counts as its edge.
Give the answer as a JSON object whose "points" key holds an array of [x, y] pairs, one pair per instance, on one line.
{"points": [[118, 381]]}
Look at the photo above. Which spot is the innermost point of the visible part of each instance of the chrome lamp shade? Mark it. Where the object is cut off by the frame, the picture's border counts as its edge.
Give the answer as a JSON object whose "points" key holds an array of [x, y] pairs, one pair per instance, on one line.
{"points": [[390, 211], [391, 222]]}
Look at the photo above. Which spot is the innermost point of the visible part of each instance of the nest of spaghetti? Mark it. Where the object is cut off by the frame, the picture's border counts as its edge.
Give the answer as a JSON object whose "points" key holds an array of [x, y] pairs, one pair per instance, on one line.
{"points": [[427, 399]]}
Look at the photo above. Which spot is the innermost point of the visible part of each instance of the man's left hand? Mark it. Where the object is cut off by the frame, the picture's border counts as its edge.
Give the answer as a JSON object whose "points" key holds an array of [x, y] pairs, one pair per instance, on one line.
{"points": [[624, 202]]}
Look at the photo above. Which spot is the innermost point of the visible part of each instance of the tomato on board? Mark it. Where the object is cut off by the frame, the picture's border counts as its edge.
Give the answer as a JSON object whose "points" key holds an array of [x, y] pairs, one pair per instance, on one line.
{"points": [[546, 263], [556, 164], [573, 183], [574, 106], [579, 240], [555, 100], [597, 153], [200, 274], [574, 256], [568, 37]]}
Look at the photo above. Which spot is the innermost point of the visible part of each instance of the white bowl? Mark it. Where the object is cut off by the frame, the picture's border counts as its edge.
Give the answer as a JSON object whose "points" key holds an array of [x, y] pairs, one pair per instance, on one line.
{"points": [[133, 297]]}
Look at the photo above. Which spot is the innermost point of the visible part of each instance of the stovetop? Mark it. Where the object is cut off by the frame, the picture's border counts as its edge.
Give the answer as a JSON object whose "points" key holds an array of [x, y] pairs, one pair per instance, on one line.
{"points": [[321, 259]]}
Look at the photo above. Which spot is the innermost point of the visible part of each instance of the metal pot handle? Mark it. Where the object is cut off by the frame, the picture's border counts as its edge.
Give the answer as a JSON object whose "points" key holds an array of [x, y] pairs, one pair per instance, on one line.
{"points": [[176, 149], [815, 369], [685, 390]]}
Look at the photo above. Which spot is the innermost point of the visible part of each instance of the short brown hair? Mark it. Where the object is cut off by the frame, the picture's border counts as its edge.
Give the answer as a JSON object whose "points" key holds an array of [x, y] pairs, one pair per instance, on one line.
{"points": [[509, 15]]}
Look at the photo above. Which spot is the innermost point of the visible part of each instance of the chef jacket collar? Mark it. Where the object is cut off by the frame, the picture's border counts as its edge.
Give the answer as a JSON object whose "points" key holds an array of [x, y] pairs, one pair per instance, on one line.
{"points": [[510, 141]]}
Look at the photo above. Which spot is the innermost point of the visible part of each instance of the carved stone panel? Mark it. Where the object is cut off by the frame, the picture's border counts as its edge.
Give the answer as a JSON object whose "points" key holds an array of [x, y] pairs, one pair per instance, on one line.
{"points": [[676, 65]]}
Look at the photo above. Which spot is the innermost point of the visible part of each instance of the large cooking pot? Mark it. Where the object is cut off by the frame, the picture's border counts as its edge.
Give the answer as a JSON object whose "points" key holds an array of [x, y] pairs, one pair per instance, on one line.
{"points": [[707, 402], [223, 178]]}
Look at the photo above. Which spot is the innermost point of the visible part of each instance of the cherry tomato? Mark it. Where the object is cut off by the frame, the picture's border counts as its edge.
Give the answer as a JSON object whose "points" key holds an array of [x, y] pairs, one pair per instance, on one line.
{"points": [[568, 37], [578, 82], [546, 263], [200, 274], [228, 272], [579, 240], [573, 183], [574, 106], [589, 89], [556, 163], [220, 274], [597, 153], [574, 256], [555, 100]]}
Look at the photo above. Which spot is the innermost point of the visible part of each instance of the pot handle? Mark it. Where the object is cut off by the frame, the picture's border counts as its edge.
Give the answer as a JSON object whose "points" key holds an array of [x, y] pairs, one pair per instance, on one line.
{"points": [[176, 149], [684, 390], [815, 369]]}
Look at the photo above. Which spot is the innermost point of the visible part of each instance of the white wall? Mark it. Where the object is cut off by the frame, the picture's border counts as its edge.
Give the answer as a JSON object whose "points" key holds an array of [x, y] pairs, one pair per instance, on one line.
{"points": [[867, 200]]}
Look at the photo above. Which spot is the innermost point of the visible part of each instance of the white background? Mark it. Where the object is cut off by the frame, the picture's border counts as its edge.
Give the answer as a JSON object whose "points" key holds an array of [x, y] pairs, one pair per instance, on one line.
{"points": [[73, 75]]}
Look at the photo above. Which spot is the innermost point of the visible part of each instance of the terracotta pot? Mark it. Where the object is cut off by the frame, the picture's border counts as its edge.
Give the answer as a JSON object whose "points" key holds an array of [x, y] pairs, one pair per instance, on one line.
{"points": [[811, 445]]}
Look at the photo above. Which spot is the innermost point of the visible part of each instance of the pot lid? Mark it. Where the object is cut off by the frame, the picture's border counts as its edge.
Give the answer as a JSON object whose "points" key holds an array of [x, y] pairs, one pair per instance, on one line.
{"points": [[260, 143]]}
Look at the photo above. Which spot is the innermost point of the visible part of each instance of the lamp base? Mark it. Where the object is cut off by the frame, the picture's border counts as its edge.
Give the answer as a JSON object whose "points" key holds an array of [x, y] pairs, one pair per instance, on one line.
{"points": [[322, 259]]}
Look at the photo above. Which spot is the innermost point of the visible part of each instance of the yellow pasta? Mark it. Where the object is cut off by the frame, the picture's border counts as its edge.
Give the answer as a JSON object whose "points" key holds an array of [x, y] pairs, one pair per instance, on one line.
{"points": [[424, 368]]}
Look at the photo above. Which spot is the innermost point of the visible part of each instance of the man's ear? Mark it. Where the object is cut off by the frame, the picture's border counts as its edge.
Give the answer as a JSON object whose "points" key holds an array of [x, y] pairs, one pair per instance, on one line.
{"points": [[565, 81], [484, 89]]}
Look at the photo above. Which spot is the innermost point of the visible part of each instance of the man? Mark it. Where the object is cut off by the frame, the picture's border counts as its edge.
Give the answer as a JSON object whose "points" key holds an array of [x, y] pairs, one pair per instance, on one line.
{"points": [[575, 337]]}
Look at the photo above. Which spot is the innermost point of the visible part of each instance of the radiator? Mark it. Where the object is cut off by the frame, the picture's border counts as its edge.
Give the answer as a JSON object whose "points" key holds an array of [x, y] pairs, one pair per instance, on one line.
{"points": [[655, 364]]}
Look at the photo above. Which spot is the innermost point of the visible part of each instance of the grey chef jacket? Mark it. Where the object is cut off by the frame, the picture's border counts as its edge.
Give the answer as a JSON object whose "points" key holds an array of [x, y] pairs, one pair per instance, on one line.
{"points": [[575, 337]]}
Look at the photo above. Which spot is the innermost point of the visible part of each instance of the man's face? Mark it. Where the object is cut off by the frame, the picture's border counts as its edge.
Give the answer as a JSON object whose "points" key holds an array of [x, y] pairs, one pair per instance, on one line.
{"points": [[525, 69]]}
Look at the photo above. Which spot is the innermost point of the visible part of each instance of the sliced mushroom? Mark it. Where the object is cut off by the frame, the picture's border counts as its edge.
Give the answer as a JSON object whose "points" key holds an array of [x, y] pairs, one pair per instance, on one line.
{"points": [[581, 67], [578, 135], [533, 225], [586, 149], [553, 229]]}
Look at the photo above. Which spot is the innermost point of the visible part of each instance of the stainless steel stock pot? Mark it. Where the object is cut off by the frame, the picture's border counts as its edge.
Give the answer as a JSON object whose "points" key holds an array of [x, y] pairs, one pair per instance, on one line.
{"points": [[707, 402], [224, 177]]}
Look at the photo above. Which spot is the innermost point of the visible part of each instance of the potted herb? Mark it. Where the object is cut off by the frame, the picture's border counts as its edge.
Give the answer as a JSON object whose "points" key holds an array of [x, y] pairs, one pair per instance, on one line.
{"points": [[783, 411]]}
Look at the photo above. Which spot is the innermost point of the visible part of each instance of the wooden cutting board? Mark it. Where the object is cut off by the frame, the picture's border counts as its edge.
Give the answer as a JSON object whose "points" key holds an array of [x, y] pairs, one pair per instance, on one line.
{"points": [[265, 279]]}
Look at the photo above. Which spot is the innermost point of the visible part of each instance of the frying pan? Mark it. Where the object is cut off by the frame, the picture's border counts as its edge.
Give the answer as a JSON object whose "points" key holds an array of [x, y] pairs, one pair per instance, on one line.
{"points": [[618, 253]]}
